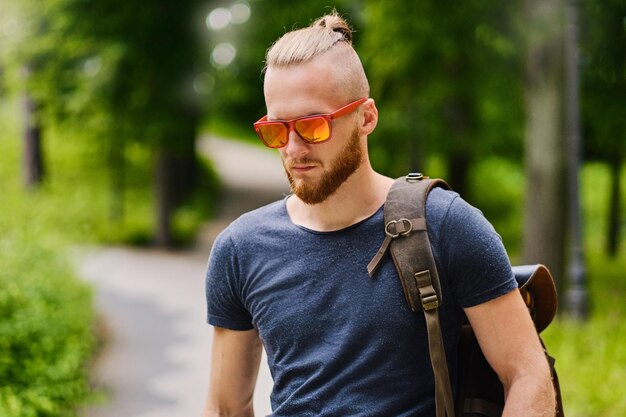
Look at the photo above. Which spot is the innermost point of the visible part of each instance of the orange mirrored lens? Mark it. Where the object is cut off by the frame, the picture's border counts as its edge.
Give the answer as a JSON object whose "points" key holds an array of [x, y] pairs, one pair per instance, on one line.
{"points": [[313, 129], [274, 134]]}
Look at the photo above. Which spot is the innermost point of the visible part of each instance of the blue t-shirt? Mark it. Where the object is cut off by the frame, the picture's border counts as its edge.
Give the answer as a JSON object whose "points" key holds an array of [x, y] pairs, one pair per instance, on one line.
{"points": [[338, 342]]}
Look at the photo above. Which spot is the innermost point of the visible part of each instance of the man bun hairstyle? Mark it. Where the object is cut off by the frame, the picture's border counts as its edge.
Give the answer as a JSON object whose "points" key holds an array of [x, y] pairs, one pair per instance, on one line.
{"points": [[304, 44], [337, 24]]}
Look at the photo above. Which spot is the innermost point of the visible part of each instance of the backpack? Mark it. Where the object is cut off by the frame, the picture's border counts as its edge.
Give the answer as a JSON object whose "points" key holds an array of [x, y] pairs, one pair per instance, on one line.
{"points": [[479, 391]]}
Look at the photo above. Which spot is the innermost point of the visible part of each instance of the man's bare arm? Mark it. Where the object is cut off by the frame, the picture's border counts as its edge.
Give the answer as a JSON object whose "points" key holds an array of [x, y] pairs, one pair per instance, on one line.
{"points": [[235, 358], [509, 341]]}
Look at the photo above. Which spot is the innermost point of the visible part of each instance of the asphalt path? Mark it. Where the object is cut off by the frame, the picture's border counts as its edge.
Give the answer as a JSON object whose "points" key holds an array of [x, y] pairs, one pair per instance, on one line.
{"points": [[156, 357]]}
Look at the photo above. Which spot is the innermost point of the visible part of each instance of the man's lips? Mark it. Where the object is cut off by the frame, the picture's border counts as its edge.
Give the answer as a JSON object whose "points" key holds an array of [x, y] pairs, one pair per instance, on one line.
{"points": [[303, 168]]}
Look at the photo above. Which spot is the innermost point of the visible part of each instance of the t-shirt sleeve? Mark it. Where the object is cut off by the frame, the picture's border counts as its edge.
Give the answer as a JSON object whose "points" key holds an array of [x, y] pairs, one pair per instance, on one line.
{"points": [[225, 306], [475, 259]]}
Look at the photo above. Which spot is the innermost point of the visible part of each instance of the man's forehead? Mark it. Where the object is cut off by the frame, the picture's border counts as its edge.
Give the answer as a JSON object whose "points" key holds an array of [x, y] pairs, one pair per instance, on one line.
{"points": [[308, 78]]}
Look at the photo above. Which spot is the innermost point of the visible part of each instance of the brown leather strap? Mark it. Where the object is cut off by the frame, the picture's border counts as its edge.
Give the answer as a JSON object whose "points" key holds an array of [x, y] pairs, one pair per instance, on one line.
{"points": [[443, 390]]}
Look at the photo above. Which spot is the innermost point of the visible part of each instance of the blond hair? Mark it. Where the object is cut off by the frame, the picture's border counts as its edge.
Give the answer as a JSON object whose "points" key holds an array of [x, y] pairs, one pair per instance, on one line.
{"points": [[328, 34]]}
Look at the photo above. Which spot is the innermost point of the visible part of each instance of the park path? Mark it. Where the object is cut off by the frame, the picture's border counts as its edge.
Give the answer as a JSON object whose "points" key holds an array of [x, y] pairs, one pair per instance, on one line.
{"points": [[155, 361]]}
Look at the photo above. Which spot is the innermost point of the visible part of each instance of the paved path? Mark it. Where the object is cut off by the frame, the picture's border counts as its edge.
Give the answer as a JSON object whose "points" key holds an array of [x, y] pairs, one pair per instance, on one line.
{"points": [[155, 362]]}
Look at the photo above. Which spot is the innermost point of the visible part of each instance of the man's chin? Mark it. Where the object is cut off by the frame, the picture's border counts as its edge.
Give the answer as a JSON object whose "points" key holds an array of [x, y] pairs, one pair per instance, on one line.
{"points": [[308, 192]]}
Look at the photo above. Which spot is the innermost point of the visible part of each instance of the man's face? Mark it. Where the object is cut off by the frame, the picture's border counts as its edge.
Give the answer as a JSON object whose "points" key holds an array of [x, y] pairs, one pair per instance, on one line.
{"points": [[315, 171], [314, 191]]}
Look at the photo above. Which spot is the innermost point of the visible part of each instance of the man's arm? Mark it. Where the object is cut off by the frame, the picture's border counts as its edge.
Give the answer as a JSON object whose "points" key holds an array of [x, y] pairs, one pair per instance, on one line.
{"points": [[508, 339], [235, 362]]}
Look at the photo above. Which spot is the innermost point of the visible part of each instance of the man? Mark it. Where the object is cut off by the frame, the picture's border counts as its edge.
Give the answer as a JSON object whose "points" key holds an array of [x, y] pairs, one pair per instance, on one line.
{"points": [[292, 277]]}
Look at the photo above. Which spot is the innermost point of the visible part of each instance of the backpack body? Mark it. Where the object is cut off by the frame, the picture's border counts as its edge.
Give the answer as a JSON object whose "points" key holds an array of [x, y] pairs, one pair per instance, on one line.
{"points": [[479, 391]]}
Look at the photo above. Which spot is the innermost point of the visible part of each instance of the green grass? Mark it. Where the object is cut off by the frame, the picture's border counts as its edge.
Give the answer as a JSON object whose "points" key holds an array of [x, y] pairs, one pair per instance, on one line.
{"points": [[590, 356]]}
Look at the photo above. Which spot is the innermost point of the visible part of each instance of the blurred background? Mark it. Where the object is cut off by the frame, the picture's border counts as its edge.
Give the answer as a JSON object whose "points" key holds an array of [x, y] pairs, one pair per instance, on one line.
{"points": [[113, 115]]}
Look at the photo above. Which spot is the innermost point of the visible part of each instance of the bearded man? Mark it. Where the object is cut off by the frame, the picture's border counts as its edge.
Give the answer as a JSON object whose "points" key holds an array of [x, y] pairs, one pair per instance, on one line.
{"points": [[292, 276]]}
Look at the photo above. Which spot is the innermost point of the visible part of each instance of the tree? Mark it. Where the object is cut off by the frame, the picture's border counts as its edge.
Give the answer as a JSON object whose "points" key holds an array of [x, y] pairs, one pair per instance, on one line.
{"points": [[447, 73], [33, 164], [604, 86], [122, 71], [22, 27], [544, 227]]}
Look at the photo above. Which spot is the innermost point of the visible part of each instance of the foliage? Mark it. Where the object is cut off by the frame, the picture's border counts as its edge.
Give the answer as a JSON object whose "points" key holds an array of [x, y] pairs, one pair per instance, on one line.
{"points": [[604, 78], [46, 338], [46, 335], [498, 187], [120, 74], [448, 78], [120, 67], [75, 196], [603, 89]]}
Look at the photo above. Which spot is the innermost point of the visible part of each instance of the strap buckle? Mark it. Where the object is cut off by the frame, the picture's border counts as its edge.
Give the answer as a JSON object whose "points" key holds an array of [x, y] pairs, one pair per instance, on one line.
{"points": [[427, 293]]}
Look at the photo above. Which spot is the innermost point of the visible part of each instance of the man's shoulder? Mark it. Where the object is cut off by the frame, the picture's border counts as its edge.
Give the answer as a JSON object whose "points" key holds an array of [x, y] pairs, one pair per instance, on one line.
{"points": [[438, 204]]}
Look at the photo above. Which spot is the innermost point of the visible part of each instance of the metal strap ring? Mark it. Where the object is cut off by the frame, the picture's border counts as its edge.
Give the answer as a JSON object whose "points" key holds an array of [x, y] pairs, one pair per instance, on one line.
{"points": [[406, 222]]}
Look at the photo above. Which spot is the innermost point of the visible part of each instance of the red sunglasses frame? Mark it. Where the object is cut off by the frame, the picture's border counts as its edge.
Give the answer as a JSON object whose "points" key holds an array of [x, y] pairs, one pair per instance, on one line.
{"points": [[290, 124]]}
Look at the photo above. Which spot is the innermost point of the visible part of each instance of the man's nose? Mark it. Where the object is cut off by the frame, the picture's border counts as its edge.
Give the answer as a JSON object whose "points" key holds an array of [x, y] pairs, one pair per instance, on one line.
{"points": [[296, 146]]}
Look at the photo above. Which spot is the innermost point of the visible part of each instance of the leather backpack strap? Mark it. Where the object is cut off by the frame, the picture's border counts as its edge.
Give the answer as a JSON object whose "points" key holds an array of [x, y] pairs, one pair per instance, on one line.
{"points": [[407, 239]]}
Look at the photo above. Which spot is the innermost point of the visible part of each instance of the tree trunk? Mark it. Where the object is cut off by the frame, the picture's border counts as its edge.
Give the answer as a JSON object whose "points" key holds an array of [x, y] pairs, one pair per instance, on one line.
{"points": [[117, 178], [176, 170], [175, 179], [32, 167], [614, 218], [544, 220], [185, 169], [164, 197]]}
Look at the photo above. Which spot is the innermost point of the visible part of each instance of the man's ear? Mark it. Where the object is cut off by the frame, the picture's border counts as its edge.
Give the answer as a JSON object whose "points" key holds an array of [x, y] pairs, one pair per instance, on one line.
{"points": [[369, 118]]}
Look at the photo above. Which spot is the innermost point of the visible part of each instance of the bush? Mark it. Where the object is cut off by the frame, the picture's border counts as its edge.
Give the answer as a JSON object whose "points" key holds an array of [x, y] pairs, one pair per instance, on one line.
{"points": [[46, 337]]}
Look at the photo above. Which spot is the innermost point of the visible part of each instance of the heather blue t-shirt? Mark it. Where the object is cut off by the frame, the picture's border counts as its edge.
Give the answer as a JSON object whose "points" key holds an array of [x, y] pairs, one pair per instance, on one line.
{"points": [[338, 342]]}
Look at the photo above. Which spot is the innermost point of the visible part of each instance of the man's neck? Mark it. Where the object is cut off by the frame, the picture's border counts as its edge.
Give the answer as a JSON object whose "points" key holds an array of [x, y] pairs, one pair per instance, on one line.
{"points": [[358, 198]]}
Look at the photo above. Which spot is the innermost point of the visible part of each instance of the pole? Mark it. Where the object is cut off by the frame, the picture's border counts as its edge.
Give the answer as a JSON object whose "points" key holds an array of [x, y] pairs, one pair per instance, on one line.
{"points": [[576, 296]]}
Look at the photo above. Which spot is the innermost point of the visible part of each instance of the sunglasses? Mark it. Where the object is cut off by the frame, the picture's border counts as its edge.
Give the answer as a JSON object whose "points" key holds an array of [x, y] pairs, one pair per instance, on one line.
{"points": [[312, 129]]}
